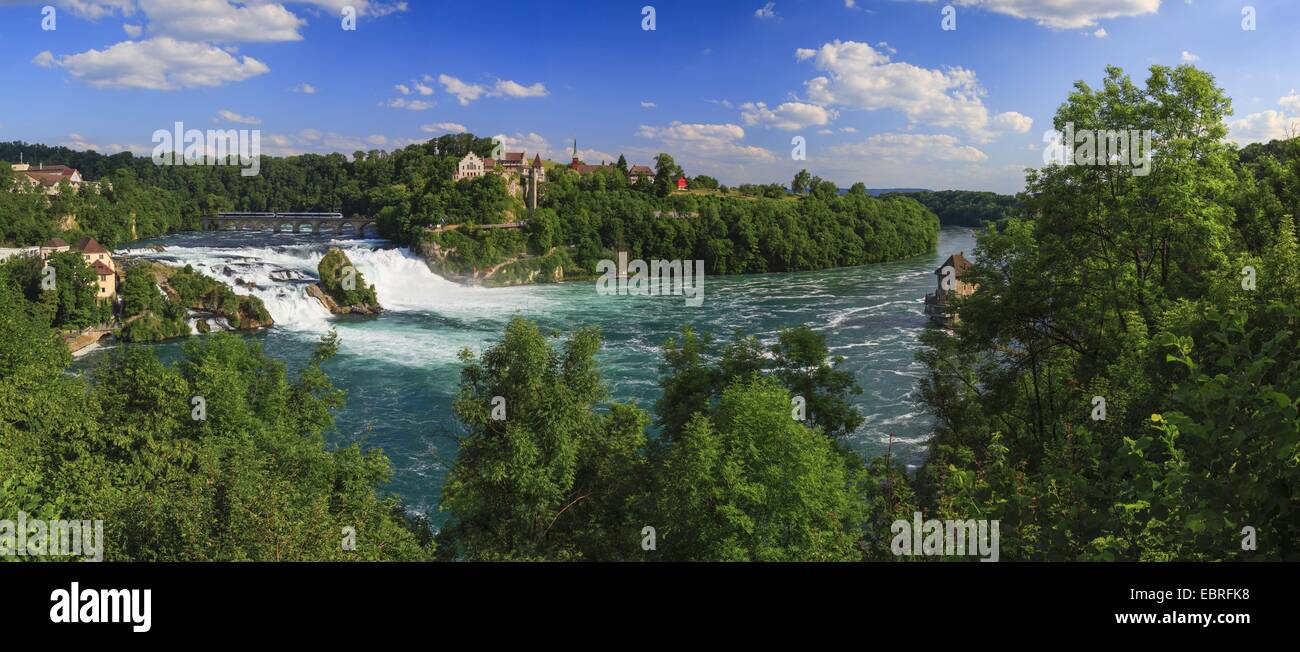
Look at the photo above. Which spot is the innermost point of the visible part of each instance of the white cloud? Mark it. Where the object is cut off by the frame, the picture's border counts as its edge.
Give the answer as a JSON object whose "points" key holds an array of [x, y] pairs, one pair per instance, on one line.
{"points": [[304, 88], [507, 88], [159, 64], [444, 128], [706, 141], [1100, 33], [218, 20], [789, 116], [1290, 101], [648, 104], [466, 92], [324, 142], [1188, 57], [372, 8], [44, 59], [421, 88], [861, 77], [1064, 14], [410, 105], [531, 143], [1263, 126], [96, 9], [767, 11], [1013, 122], [133, 31], [241, 119], [402, 88], [78, 142], [911, 147]]}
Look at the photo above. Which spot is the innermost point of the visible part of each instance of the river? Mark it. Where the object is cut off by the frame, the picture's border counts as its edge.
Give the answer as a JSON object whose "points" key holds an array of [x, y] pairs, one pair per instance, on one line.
{"points": [[401, 371]]}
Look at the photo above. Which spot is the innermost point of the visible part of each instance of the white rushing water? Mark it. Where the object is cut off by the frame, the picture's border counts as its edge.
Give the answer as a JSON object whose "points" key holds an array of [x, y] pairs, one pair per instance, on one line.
{"points": [[279, 275]]}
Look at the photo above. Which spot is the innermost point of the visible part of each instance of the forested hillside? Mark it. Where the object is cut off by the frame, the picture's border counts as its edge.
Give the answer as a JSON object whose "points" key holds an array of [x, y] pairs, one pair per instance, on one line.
{"points": [[964, 207]]}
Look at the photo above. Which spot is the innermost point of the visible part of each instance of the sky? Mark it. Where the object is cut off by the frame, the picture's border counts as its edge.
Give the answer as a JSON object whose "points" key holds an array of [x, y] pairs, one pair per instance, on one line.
{"points": [[878, 91]]}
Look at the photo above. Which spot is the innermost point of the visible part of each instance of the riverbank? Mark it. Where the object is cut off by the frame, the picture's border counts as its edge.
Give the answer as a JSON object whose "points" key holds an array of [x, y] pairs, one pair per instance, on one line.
{"points": [[401, 369]]}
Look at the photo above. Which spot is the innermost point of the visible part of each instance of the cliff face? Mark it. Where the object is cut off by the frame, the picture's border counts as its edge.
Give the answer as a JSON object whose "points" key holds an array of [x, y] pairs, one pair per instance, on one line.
{"points": [[520, 269], [342, 289]]}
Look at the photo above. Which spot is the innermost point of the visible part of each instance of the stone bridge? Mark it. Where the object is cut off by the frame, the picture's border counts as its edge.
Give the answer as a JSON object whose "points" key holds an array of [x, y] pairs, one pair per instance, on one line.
{"points": [[334, 223]]}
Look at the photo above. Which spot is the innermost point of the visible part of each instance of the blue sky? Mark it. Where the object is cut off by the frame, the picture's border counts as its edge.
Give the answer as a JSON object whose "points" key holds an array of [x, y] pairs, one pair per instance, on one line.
{"points": [[878, 89]]}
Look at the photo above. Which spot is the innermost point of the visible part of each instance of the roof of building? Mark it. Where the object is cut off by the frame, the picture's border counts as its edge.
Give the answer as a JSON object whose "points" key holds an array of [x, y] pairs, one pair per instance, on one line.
{"points": [[89, 245], [102, 269], [54, 243], [640, 169], [52, 169], [514, 157], [958, 263], [537, 160]]}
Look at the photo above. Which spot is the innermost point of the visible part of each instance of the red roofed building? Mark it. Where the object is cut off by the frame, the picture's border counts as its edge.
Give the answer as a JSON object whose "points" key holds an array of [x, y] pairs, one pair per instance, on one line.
{"points": [[94, 252], [638, 172], [950, 286], [47, 176], [107, 280]]}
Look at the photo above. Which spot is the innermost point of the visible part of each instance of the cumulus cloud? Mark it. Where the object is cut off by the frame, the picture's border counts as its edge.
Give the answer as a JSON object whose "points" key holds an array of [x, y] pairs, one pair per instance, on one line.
{"points": [[531, 143], [219, 20], [706, 140], [409, 105], [159, 64], [324, 142], [306, 89], [1013, 122], [648, 104], [1269, 124], [911, 147], [1263, 126], [1063, 14], [857, 76], [241, 119], [789, 116], [80, 143], [766, 12], [96, 9], [444, 128], [507, 88], [466, 92], [1188, 57]]}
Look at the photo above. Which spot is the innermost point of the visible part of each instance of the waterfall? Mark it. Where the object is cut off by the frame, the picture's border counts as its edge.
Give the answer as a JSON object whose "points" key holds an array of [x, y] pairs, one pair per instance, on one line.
{"points": [[279, 275]]}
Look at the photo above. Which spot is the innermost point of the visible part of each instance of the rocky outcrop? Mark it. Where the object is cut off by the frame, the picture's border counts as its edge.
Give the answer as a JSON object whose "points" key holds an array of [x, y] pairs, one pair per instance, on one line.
{"points": [[333, 306], [342, 289]]}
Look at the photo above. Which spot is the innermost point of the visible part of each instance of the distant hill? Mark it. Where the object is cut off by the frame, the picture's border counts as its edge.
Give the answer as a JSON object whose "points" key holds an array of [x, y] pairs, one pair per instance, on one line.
{"points": [[962, 207], [876, 192]]}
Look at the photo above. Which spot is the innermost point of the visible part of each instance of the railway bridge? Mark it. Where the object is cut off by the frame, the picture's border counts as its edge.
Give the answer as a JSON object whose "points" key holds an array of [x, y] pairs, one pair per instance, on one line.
{"points": [[334, 223]]}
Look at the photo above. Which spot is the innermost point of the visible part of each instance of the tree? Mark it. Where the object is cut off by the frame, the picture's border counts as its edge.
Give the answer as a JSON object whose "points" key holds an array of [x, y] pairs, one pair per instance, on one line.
{"points": [[801, 183], [540, 474], [748, 483], [804, 365]]}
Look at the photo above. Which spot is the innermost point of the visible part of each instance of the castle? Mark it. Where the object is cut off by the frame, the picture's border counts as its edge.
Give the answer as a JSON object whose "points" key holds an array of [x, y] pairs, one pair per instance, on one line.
{"points": [[514, 166]]}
